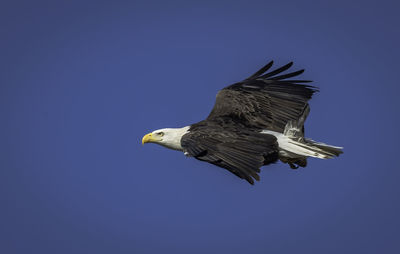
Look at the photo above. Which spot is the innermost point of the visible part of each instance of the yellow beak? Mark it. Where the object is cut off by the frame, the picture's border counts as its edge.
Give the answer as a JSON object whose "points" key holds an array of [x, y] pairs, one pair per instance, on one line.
{"points": [[147, 138]]}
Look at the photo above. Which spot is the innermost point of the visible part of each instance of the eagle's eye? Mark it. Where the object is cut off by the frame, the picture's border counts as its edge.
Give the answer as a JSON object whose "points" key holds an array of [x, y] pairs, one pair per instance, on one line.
{"points": [[161, 134]]}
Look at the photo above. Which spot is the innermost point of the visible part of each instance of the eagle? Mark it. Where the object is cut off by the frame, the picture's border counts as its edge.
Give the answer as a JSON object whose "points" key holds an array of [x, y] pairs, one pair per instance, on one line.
{"points": [[254, 122]]}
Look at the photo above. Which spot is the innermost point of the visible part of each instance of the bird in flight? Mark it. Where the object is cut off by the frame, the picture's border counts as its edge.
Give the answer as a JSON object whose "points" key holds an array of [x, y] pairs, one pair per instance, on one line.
{"points": [[254, 122]]}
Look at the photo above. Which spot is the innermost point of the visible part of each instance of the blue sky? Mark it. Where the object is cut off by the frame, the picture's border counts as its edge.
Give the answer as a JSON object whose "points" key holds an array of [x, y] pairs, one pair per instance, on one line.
{"points": [[83, 81]]}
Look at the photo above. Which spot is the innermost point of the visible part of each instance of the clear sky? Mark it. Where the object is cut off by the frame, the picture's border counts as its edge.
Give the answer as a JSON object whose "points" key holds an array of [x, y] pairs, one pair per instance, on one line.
{"points": [[82, 81]]}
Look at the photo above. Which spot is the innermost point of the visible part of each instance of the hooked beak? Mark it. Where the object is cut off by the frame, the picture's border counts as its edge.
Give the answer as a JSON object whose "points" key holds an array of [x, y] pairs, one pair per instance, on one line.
{"points": [[147, 138]]}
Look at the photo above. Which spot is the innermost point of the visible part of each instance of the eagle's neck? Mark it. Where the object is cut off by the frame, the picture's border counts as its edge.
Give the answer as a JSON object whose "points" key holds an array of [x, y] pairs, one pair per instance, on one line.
{"points": [[173, 136]]}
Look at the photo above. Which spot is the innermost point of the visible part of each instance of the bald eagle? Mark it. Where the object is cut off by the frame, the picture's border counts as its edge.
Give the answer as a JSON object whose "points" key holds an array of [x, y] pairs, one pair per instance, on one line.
{"points": [[254, 122]]}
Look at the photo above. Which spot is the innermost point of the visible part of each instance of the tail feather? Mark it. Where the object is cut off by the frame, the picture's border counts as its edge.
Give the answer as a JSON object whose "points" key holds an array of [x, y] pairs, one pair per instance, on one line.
{"points": [[311, 148], [334, 150], [297, 144], [294, 148]]}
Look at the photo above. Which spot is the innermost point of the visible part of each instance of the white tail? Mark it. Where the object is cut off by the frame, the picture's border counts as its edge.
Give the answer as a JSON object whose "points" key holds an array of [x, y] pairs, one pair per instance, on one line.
{"points": [[292, 143], [309, 148]]}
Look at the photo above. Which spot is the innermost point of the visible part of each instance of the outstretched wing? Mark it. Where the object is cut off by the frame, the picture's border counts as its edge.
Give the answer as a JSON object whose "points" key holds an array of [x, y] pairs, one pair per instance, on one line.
{"points": [[242, 153], [265, 100]]}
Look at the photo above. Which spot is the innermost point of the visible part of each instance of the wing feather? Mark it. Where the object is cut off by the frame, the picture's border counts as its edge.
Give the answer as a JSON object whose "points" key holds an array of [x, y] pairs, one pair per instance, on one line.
{"points": [[264, 101], [277, 71], [289, 75], [262, 70], [240, 152]]}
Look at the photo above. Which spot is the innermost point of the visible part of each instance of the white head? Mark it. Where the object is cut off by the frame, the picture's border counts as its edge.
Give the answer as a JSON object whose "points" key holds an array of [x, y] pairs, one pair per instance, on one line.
{"points": [[168, 137]]}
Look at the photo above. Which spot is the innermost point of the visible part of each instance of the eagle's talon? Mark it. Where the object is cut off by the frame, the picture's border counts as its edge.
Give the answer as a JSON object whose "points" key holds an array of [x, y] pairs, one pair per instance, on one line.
{"points": [[292, 166]]}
